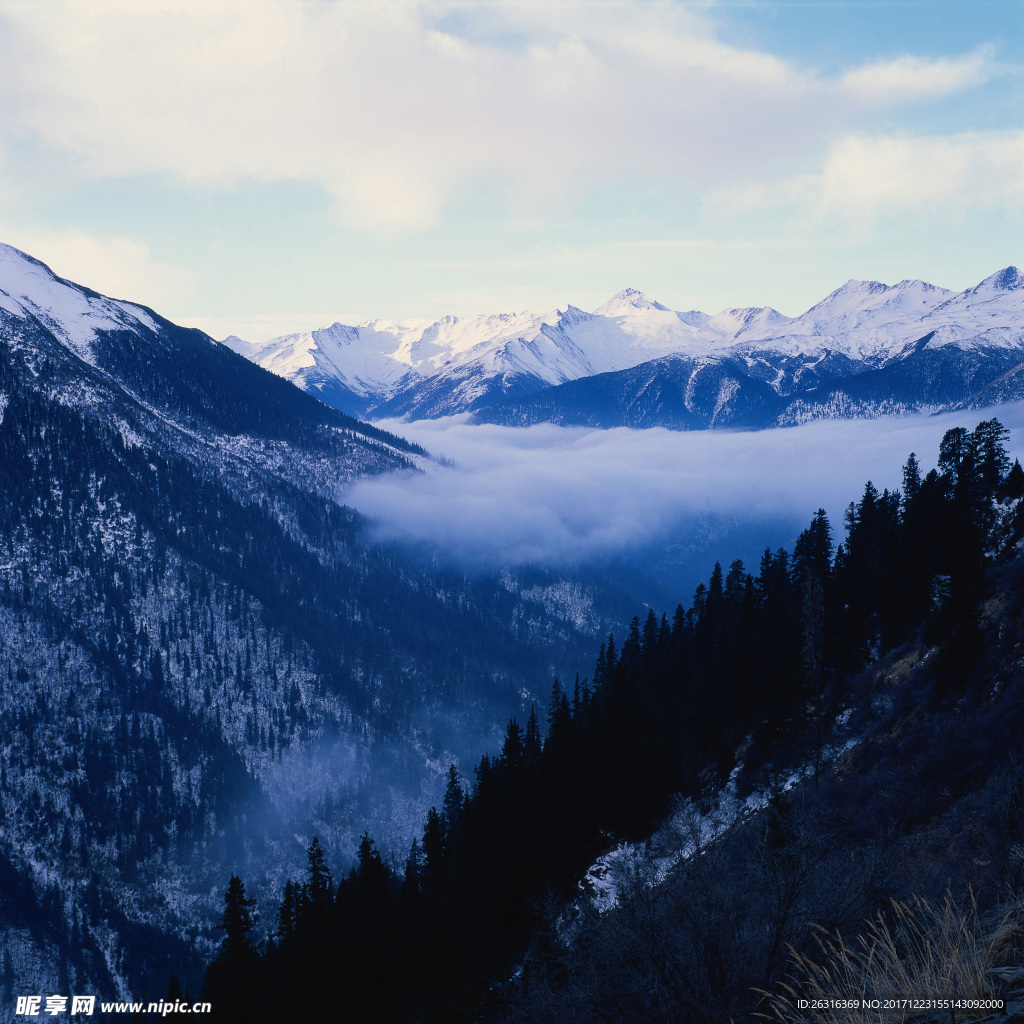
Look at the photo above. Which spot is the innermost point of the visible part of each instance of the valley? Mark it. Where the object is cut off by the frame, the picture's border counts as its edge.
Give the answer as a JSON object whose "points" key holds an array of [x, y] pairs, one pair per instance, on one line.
{"points": [[234, 620]]}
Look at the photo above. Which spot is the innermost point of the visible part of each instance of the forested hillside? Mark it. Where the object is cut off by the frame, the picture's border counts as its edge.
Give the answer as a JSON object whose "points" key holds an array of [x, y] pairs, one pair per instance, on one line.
{"points": [[203, 658], [867, 697]]}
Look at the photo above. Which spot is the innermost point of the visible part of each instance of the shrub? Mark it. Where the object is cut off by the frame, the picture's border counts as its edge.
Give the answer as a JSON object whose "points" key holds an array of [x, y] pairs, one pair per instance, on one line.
{"points": [[916, 951]]}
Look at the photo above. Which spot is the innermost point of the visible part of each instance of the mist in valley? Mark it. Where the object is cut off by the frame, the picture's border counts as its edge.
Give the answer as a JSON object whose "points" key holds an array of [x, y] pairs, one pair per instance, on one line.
{"points": [[654, 509]]}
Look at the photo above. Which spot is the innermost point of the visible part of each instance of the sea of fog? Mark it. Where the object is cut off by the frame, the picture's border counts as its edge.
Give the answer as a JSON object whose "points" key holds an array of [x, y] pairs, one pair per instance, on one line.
{"points": [[565, 496]]}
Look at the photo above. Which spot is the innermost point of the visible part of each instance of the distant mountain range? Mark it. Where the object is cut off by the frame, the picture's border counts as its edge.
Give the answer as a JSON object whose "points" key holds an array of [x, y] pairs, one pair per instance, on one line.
{"points": [[866, 349]]}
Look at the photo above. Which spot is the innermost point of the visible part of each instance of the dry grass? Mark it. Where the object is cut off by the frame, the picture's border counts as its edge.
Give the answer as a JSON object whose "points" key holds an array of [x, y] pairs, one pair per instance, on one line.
{"points": [[916, 951], [1006, 947]]}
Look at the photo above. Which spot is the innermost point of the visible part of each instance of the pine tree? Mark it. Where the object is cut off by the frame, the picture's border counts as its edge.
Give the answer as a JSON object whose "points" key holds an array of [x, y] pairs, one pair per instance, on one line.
{"points": [[956, 456], [911, 480], [433, 855], [630, 655], [237, 921], [812, 552], [1013, 486], [991, 461], [320, 884], [228, 982], [289, 911], [531, 741], [511, 760], [454, 801], [559, 712]]}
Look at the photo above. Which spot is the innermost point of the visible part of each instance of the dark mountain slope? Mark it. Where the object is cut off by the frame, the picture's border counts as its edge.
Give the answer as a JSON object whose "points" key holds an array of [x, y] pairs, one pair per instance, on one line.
{"points": [[202, 658], [765, 388], [180, 372], [676, 392], [925, 378]]}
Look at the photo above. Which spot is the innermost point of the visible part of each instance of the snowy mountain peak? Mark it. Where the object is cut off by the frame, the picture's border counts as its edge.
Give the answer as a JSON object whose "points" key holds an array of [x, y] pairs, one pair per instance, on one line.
{"points": [[437, 367], [74, 314], [240, 345], [10, 257], [748, 321], [628, 301], [999, 296], [1009, 279], [338, 333], [574, 314], [867, 318], [850, 296], [915, 284], [32, 284]]}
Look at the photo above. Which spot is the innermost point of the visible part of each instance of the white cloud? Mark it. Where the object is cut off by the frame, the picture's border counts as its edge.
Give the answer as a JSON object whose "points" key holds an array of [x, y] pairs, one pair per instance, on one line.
{"points": [[875, 176], [116, 266], [563, 495], [395, 112], [910, 77], [863, 178]]}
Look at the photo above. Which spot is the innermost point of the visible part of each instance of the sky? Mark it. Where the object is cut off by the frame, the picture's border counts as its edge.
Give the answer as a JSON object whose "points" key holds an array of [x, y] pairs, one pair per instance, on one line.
{"points": [[269, 166]]}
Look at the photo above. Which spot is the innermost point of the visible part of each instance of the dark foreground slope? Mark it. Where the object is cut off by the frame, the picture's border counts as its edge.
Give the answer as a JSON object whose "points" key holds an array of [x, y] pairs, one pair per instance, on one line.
{"points": [[841, 729]]}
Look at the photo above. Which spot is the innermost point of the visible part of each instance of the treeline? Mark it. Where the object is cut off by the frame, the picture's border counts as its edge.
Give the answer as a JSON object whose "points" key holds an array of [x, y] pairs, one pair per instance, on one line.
{"points": [[744, 668]]}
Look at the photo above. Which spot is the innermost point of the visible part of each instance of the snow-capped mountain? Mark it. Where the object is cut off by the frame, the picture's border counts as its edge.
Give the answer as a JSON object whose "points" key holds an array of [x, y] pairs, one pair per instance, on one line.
{"points": [[452, 364], [430, 368], [76, 316], [510, 367], [163, 384]]}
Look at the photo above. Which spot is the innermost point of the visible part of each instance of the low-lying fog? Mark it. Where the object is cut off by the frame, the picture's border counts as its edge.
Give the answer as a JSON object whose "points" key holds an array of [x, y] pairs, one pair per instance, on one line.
{"points": [[565, 496]]}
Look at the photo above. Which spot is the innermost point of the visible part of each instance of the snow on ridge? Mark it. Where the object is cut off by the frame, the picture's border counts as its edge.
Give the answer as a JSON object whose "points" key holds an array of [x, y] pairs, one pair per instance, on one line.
{"points": [[748, 323], [690, 829], [870, 304], [28, 287], [867, 321], [628, 301], [240, 346], [864, 320], [1006, 280]]}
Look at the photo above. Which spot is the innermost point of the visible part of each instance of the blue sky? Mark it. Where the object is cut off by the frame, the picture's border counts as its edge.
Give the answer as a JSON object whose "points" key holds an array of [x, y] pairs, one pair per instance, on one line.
{"points": [[272, 165]]}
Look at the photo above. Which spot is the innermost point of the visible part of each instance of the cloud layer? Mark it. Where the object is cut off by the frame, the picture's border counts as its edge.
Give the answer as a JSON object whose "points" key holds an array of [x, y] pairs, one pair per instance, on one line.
{"points": [[564, 495], [397, 107], [864, 178]]}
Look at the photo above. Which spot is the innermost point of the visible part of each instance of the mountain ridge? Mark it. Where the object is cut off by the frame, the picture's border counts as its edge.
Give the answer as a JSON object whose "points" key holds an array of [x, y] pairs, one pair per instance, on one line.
{"points": [[424, 369]]}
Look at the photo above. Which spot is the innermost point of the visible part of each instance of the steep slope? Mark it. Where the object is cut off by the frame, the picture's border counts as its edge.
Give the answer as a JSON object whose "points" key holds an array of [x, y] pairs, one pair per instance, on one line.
{"points": [[203, 659]]}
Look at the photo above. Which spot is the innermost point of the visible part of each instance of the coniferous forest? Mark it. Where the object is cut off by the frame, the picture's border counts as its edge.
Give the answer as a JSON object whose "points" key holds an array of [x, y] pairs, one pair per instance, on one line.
{"points": [[865, 691], [202, 653]]}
